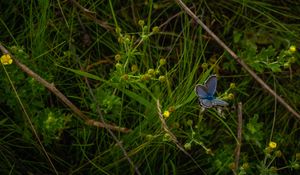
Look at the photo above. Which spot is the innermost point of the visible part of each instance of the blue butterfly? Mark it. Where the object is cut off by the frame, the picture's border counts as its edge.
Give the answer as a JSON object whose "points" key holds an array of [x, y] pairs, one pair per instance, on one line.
{"points": [[206, 93]]}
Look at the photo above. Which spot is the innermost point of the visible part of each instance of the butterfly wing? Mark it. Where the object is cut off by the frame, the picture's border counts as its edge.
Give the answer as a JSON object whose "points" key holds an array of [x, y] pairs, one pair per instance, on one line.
{"points": [[218, 102], [201, 91], [206, 103], [211, 85], [206, 93]]}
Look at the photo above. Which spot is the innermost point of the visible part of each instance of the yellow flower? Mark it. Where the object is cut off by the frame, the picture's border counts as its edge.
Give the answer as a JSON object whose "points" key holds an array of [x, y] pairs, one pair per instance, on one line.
{"points": [[6, 59], [293, 48], [166, 114], [273, 145]]}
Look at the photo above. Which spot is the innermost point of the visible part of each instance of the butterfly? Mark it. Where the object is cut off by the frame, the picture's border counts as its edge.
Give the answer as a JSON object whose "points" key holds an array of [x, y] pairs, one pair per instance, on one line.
{"points": [[206, 93]]}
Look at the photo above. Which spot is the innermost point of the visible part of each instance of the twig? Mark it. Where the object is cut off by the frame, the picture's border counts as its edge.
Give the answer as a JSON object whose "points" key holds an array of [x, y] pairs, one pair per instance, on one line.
{"points": [[240, 61], [51, 87], [239, 136], [92, 15], [173, 137], [81, 7]]}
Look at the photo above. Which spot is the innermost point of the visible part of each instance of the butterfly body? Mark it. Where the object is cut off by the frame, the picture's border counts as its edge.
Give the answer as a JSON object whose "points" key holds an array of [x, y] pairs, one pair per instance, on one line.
{"points": [[206, 93], [210, 97]]}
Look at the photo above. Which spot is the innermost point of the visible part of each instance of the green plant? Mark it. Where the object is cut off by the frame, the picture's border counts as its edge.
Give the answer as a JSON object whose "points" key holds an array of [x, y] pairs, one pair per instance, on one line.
{"points": [[130, 54]]}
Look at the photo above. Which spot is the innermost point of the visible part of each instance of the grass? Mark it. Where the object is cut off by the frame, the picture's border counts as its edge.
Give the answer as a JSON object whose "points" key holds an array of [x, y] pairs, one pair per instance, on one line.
{"points": [[115, 59]]}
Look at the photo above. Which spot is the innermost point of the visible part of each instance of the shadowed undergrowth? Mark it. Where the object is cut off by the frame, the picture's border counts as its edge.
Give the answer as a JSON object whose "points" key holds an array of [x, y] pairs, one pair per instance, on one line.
{"points": [[131, 54]]}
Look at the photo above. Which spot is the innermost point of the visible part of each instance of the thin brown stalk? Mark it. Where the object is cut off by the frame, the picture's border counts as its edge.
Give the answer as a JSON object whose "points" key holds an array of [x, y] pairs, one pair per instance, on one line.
{"points": [[239, 136], [237, 59], [81, 7], [92, 15], [51, 87]]}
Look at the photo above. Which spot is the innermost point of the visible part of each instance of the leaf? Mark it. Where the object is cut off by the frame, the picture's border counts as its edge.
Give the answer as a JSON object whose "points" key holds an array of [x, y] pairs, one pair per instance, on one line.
{"points": [[258, 66], [275, 67], [84, 74], [3, 121], [137, 97], [266, 54], [236, 36]]}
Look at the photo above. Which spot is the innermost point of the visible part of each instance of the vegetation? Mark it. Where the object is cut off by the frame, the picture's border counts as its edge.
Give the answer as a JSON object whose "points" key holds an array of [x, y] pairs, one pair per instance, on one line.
{"points": [[135, 64]]}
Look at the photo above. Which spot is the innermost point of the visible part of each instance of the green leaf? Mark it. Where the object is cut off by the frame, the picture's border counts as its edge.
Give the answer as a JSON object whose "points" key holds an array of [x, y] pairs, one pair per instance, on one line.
{"points": [[3, 121], [236, 36], [84, 74], [258, 66], [275, 67], [266, 54], [137, 97]]}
